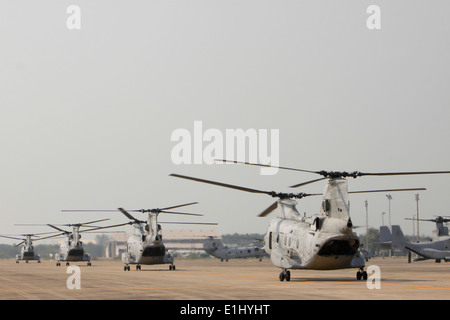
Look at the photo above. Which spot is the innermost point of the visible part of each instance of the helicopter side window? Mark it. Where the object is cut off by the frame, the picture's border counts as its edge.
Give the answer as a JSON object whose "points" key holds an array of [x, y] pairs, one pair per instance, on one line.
{"points": [[270, 240]]}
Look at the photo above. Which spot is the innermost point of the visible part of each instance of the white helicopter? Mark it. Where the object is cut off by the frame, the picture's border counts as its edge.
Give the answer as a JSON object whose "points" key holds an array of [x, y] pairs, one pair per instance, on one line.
{"points": [[216, 248], [324, 241], [72, 249], [145, 246], [27, 252]]}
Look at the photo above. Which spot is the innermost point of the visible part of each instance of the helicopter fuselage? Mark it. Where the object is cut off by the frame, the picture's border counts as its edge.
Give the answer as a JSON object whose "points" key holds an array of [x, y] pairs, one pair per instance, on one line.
{"points": [[27, 252], [143, 248], [72, 249], [297, 245], [324, 241]]}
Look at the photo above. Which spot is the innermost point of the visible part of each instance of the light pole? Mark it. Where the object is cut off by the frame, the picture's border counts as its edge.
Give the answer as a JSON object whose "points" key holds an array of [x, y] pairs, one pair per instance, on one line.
{"points": [[389, 199], [417, 206], [367, 224], [382, 218]]}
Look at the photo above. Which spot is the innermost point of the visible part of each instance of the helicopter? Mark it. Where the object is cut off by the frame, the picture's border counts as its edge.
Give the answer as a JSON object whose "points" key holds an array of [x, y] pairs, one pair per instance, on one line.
{"points": [[324, 241], [72, 249], [216, 248], [27, 251], [145, 246], [441, 232]]}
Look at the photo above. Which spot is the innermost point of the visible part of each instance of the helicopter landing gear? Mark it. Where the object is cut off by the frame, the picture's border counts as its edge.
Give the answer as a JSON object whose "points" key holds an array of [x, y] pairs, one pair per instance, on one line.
{"points": [[89, 264], [172, 267], [285, 275], [361, 274], [138, 267], [67, 264], [58, 264], [126, 268]]}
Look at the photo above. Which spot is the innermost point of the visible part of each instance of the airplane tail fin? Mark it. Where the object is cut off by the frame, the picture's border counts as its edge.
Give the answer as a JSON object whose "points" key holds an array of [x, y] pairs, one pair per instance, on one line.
{"points": [[385, 234], [398, 239]]}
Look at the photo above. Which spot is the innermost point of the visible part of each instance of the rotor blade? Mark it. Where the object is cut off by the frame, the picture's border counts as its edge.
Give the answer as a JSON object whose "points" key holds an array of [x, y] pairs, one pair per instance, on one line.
{"points": [[220, 184], [307, 182], [50, 225], [56, 235], [84, 210], [87, 231], [388, 190], [269, 209], [189, 214], [266, 165], [11, 238], [415, 219], [203, 223], [400, 173], [113, 226], [94, 221], [37, 234], [19, 244], [179, 206], [127, 214]]}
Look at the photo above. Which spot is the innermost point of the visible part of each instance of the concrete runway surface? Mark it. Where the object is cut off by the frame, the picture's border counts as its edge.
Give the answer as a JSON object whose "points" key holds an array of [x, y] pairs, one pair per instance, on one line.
{"points": [[210, 279]]}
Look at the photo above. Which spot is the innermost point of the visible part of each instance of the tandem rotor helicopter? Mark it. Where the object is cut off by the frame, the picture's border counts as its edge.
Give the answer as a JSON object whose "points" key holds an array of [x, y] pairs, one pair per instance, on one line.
{"points": [[72, 249], [324, 241], [27, 252], [145, 246], [216, 248]]}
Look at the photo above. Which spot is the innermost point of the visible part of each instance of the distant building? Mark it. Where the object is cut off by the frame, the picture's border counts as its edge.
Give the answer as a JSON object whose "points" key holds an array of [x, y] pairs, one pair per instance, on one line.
{"points": [[175, 240]]}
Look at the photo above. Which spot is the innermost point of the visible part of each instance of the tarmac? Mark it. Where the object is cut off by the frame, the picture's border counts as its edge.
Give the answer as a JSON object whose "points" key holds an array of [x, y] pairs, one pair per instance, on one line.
{"points": [[211, 279]]}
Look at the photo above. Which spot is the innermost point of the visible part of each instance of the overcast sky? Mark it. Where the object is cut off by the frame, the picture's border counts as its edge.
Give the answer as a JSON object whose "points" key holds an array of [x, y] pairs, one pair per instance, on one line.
{"points": [[86, 116]]}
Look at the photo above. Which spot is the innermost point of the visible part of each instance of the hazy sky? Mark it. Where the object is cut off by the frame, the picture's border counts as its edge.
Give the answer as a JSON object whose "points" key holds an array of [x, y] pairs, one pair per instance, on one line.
{"points": [[86, 115]]}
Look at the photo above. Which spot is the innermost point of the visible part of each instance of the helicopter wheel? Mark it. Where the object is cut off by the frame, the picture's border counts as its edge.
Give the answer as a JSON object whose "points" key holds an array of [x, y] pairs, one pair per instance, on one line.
{"points": [[17, 261], [285, 275], [67, 264], [138, 267], [126, 268], [89, 264], [172, 267], [361, 274]]}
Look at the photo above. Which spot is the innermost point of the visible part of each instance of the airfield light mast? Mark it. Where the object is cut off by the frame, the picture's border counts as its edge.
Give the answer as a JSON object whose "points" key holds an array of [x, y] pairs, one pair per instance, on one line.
{"points": [[389, 199], [367, 224], [417, 208]]}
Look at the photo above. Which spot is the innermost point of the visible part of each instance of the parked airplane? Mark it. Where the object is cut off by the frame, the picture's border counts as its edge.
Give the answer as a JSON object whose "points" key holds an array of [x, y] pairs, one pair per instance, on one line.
{"points": [[436, 250]]}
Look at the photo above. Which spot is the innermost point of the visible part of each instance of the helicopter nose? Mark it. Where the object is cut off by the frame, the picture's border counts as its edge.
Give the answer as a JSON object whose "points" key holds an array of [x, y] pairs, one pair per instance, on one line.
{"points": [[349, 223]]}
